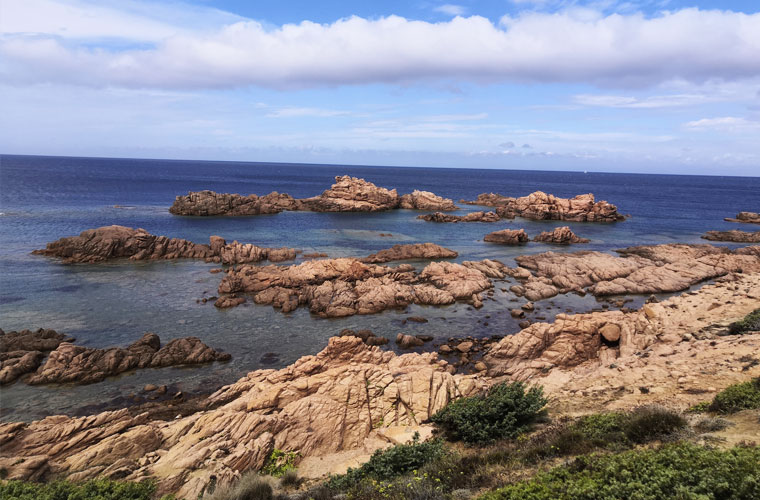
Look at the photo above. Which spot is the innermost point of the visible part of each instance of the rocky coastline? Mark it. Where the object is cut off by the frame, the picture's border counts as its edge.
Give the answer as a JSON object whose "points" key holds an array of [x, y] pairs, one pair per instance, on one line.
{"points": [[351, 398]]}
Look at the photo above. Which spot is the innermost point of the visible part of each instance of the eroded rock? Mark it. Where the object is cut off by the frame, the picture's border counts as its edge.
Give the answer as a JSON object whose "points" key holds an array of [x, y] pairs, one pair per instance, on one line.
{"points": [[733, 235], [507, 237], [542, 206], [471, 217], [425, 200], [747, 217], [560, 236], [413, 251], [22, 352]]}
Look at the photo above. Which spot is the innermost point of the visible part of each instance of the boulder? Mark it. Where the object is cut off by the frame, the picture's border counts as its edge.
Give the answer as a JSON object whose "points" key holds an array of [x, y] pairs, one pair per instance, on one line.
{"points": [[560, 236], [471, 217], [425, 200], [733, 235], [413, 251], [746, 217], [542, 206], [507, 237]]}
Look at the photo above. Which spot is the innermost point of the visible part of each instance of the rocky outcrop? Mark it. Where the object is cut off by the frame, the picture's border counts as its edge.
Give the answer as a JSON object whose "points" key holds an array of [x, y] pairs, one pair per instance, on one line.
{"points": [[413, 251], [22, 352], [733, 235], [639, 270], [542, 206], [85, 365], [628, 350], [348, 397], [347, 286], [748, 217], [560, 236], [209, 203], [348, 194], [425, 200], [113, 242], [507, 237], [471, 217]]}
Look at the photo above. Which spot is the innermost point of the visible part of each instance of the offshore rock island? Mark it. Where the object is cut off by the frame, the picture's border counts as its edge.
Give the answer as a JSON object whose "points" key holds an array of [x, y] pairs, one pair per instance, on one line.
{"points": [[542, 206], [348, 194]]}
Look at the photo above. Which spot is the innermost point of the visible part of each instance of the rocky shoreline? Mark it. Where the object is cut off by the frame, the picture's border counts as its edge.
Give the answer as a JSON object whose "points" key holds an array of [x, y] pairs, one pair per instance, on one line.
{"points": [[351, 398]]}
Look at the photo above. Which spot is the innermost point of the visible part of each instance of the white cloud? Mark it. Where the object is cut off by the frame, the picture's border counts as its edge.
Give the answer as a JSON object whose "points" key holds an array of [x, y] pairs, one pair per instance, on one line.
{"points": [[651, 102], [451, 10], [300, 112], [578, 45], [724, 124]]}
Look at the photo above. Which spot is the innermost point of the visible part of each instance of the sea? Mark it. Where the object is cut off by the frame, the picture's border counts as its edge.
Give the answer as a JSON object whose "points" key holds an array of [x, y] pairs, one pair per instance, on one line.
{"points": [[44, 198]]}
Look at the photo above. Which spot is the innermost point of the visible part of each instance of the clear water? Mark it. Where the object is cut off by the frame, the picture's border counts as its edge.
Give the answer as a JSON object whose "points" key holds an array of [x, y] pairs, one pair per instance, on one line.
{"points": [[114, 303]]}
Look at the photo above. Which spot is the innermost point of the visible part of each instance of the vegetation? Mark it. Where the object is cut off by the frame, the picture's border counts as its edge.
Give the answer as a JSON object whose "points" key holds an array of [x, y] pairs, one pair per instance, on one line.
{"points": [[750, 323], [392, 462], [280, 462], [251, 486], [97, 489], [504, 411], [737, 397], [682, 471]]}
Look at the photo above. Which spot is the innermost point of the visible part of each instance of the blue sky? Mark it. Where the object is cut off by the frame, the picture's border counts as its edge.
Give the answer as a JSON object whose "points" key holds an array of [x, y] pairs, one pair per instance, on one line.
{"points": [[635, 86]]}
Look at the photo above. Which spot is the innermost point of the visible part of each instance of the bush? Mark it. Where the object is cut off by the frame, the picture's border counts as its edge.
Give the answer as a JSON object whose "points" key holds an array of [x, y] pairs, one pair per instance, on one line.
{"points": [[290, 479], [386, 464], [280, 462], [97, 489], [652, 422], [750, 323], [251, 486], [681, 471], [737, 397], [504, 411]]}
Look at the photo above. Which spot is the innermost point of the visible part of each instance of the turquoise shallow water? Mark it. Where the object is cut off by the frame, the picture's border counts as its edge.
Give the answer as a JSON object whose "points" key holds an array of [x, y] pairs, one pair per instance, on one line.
{"points": [[45, 198]]}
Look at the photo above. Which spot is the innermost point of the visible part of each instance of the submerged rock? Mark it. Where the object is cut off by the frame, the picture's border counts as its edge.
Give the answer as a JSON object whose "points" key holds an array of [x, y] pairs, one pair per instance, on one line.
{"points": [[542, 206], [733, 235]]}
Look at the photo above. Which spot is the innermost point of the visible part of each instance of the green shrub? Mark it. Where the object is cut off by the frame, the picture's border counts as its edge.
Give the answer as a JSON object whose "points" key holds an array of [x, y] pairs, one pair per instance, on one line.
{"points": [[96, 489], [679, 471], [504, 411], [279, 462], [750, 323], [652, 422], [702, 407], [737, 397], [386, 464]]}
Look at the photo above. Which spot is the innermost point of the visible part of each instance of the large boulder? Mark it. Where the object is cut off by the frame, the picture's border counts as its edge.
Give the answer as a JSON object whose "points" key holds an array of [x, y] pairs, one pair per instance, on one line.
{"points": [[507, 237], [560, 236], [425, 200]]}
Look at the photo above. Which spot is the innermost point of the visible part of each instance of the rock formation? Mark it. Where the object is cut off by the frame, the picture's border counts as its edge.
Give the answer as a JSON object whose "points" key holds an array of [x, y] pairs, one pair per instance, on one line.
{"points": [[425, 200], [733, 235], [560, 236], [349, 397], [639, 270], [347, 286], [471, 217], [85, 365], [636, 346], [22, 352], [542, 206], [748, 217], [413, 251], [348, 194], [113, 242], [507, 237], [208, 203]]}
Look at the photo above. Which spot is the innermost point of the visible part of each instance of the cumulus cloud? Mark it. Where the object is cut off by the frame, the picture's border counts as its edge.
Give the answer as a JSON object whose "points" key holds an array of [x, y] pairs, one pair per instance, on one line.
{"points": [[578, 45], [451, 10]]}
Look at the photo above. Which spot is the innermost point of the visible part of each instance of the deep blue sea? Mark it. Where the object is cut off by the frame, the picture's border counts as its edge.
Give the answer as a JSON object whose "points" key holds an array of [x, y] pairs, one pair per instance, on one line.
{"points": [[113, 304]]}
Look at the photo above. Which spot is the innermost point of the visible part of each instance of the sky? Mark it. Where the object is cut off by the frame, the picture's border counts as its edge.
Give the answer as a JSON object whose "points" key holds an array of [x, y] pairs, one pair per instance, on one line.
{"points": [[651, 86]]}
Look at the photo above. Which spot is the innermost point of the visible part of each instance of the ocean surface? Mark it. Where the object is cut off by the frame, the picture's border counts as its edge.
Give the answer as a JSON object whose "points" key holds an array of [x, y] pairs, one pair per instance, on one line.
{"points": [[114, 303]]}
